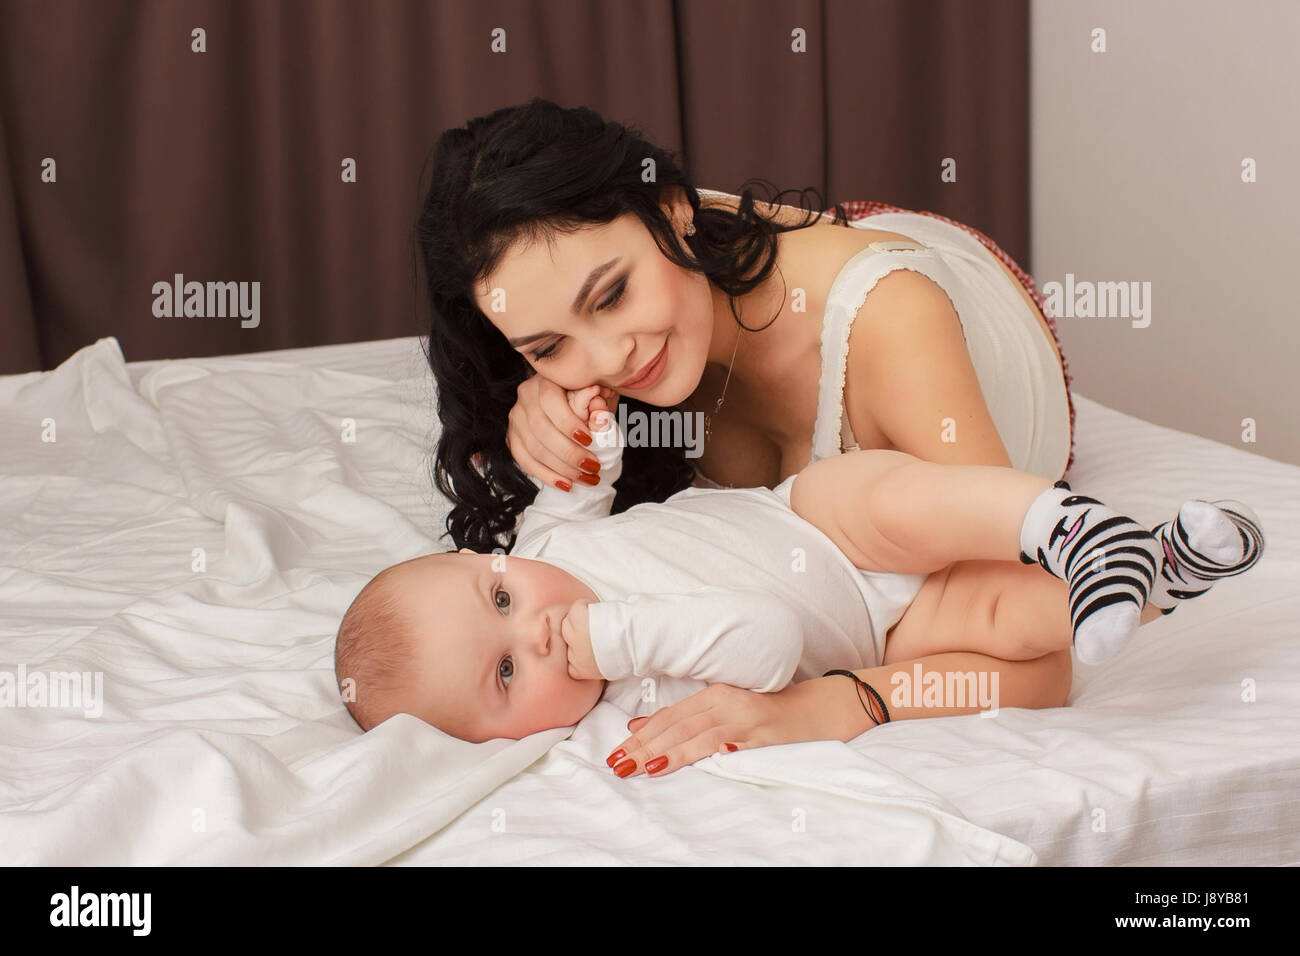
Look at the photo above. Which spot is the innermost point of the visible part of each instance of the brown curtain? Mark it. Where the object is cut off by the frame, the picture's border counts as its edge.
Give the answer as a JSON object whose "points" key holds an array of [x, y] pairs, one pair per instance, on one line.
{"points": [[128, 156]]}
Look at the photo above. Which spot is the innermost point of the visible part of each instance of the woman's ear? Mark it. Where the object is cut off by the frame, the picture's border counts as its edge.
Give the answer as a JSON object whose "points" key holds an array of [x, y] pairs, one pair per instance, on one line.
{"points": [[677, 207]]}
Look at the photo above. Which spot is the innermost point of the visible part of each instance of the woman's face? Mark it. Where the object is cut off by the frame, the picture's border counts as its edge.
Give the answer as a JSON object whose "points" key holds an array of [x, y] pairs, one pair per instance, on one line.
{"points": [[601, 305]]}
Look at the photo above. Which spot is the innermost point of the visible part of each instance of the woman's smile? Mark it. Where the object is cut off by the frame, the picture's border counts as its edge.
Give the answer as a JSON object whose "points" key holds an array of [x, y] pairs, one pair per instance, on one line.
{"points": [[653, 371]]}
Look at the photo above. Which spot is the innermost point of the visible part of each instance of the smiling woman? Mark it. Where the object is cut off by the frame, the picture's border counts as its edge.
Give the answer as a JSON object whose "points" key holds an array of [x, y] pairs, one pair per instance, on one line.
{"points": [[639, 324], [545, 251]]}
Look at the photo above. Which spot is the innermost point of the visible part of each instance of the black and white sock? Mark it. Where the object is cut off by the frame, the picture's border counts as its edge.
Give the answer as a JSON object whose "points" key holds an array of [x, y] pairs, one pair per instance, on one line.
{"points": [[1109, 562], [1206, 541]]}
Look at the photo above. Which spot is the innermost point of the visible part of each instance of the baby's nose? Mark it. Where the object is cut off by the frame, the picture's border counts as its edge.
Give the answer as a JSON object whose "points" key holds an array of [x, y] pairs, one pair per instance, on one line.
{"points": [[549, 639]]}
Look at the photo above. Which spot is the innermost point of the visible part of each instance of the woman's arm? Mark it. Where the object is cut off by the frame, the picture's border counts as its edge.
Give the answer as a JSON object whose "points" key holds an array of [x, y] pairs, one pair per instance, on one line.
{"points": [[826, 708], [834, 710], [910, 380]]}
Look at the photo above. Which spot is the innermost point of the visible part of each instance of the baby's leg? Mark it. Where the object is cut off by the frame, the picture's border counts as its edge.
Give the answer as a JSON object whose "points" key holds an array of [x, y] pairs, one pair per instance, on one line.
{"points": [[1004, 609], [890, 511]]}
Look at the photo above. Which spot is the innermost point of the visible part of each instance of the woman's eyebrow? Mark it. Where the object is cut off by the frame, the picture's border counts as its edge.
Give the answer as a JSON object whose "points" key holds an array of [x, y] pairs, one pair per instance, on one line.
{"points": [[592, 278]]}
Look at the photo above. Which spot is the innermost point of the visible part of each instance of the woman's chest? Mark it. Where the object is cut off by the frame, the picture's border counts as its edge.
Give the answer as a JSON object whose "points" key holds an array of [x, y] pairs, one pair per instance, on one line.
{"points": [[764, 432], [780, 405]]}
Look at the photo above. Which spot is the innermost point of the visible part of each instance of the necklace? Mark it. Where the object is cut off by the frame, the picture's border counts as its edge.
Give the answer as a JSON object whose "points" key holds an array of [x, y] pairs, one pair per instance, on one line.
{"points": [[708, 419]]}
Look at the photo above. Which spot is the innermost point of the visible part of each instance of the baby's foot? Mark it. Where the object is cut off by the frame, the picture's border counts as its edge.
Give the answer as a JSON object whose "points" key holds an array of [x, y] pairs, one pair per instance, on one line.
{"points": [[1205, 541], [1107, 560]]}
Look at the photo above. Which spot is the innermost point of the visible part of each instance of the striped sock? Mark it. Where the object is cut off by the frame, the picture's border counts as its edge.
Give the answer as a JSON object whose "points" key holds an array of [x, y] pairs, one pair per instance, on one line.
{"points": [[1205, 542], [1108, 561]]}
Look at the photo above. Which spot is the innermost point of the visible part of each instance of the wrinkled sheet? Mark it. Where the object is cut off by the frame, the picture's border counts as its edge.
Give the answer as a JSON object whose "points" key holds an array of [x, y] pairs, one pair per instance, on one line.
{"points": [[192, 534]]}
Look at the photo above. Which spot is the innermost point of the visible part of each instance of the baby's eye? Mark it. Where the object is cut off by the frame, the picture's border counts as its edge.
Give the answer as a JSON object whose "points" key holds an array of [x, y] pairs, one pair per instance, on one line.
{"points": [[508, 672], [496, 599]]}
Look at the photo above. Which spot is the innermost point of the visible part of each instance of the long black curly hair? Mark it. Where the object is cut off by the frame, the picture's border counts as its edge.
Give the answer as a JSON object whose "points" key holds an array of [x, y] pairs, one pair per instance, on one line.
{"points": [[535, 172]]}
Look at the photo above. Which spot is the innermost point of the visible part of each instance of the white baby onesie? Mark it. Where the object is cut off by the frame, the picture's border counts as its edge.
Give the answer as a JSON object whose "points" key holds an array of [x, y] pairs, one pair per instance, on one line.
{"points": [[720, 585]]}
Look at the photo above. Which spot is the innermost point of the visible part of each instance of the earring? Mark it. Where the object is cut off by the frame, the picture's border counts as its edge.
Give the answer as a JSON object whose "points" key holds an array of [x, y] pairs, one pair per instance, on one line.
{"points": [[690, 229]]}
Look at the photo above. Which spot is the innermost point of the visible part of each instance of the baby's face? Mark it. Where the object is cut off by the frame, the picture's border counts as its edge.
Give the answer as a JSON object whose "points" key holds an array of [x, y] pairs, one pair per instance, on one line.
{"points": [[490, 661]]}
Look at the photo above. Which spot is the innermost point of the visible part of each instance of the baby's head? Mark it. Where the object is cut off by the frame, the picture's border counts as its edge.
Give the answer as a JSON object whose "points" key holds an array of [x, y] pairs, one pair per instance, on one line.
{"points": [[469, 643]]}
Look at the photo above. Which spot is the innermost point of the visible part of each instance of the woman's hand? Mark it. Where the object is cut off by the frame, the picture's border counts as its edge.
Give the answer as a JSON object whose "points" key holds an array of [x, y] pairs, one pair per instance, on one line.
{"points": [[546, 439], [718, 719]]}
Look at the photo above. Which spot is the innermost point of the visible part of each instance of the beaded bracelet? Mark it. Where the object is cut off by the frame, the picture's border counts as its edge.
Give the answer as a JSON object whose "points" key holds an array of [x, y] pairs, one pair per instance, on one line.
{"points": [[883, 708]]}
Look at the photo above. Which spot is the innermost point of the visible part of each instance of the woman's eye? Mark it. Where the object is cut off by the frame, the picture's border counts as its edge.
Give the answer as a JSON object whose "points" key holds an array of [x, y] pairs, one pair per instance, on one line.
{"points": [[615, 298], [543, 354], [506, 670]]}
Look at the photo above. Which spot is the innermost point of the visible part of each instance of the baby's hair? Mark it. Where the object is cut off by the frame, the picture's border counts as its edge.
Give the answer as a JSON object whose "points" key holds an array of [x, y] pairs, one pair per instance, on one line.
{"points": [[375, 648]]}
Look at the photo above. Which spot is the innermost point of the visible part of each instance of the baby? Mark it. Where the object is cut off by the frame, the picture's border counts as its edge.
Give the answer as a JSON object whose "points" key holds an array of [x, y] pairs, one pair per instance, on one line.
{"points": [[809, 576]]}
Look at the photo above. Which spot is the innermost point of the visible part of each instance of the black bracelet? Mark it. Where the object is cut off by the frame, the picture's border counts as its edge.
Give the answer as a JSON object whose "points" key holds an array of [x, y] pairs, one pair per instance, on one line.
{"points": [[883, 708]]}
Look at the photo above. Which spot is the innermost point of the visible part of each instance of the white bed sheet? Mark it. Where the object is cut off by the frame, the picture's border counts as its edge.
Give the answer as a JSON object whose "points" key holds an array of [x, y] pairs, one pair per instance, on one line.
{"points": [[221, 739]]}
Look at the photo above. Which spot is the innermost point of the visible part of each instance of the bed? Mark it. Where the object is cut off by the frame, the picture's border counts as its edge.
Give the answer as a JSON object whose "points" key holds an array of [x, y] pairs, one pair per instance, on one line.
{"points": [[191, 531]]}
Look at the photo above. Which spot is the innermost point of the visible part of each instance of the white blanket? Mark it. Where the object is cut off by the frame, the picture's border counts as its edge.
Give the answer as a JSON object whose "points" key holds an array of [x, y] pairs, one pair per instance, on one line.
{"points": [[195, 530]]}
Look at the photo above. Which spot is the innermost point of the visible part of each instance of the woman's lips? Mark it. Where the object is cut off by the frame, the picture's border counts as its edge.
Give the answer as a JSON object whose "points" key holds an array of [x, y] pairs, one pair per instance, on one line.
{"points": [[651, 372]]}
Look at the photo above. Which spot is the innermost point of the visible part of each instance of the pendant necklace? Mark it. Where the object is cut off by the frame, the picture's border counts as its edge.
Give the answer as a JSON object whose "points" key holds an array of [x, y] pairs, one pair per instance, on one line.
{"points": [[708, 419]]}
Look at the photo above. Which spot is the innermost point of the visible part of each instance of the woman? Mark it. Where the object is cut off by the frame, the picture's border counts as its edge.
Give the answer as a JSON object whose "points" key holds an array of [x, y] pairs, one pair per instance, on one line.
{"points": [[563, 251]]}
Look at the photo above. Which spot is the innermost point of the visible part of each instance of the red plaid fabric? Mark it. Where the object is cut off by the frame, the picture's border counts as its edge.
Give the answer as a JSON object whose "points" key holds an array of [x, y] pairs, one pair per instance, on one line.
{"points": [[861, 209]]}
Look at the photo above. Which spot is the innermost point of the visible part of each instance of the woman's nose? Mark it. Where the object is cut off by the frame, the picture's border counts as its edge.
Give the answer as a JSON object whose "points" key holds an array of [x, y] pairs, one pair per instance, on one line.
{"points": [[611, 359]]}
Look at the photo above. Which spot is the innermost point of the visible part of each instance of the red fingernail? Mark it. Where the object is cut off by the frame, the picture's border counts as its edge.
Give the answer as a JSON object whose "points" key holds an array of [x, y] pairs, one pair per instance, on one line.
{"points": [[616, 756], [562, 484], [589, 464], [730, 748], [587, 479], [579, 435], [654, 766], [625, 768]]}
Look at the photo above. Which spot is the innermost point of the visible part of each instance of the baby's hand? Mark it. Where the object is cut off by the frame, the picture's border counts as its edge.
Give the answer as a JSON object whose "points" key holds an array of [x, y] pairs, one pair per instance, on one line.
{"points": [[577, 636], [591, 403]]}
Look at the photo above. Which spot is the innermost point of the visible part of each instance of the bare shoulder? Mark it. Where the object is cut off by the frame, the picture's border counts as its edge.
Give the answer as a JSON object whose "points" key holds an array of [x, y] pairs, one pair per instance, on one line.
{"points": [[909, 371], [883, 329], [904, 289]]}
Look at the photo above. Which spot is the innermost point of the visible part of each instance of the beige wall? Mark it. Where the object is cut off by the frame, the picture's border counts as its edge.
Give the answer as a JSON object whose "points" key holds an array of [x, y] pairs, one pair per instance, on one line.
{"points": [[1136, 177]]}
